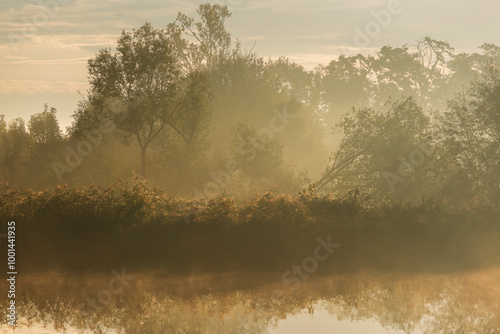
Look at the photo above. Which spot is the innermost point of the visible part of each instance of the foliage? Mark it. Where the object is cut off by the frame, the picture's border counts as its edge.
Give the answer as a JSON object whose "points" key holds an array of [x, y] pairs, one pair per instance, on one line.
{"points": [[471, 128], [140, 89], [373, 147], [176, 94], [209, 42], [138, 226]]}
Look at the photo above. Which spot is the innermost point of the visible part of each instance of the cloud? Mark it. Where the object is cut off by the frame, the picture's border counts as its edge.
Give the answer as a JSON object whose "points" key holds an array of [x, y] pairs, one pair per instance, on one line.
{"points": [[72, 61], [20, 4], [30, 22], [8, 87], [300, 6], [16, 57]]}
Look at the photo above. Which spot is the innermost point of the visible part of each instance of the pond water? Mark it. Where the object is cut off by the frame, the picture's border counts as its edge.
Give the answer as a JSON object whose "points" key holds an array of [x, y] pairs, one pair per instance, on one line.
{"points": [[242, 303]]}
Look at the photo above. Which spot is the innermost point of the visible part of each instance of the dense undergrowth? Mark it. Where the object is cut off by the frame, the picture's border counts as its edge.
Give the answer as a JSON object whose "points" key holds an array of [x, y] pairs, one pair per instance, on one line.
{"points": [[139, 227]]}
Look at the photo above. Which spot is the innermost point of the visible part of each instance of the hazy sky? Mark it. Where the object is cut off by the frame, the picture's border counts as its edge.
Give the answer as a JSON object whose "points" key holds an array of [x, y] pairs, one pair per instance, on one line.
{"points": [[45, 44]]}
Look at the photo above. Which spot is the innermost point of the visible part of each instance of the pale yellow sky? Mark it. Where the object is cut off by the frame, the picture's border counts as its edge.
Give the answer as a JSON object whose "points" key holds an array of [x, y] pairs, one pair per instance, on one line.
{"points": [[45, 44]]}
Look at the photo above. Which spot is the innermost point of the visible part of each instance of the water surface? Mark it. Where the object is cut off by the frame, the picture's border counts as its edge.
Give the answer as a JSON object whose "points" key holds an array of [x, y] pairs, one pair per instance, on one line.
{"points": [[243, 303]]}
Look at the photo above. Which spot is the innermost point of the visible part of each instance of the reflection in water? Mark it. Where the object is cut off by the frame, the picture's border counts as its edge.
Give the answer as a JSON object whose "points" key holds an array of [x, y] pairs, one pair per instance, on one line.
{"points": [[322, 322], [354, 303]]}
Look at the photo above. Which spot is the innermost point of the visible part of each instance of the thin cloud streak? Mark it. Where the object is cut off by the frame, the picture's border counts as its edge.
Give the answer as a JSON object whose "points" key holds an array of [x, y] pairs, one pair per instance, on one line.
{"points": [[49, 62], [40, 86]]}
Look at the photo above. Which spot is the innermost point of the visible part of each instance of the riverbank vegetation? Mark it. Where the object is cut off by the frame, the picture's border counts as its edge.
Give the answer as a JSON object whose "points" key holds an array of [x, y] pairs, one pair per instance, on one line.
{"points": [[133, 225]]}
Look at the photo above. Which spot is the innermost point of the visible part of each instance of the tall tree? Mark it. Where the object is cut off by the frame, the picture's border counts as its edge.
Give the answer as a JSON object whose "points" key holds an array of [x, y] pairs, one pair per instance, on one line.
{"points": [[141, 89], [472, 136], [398, 73], [345, 84], [208, 40]]}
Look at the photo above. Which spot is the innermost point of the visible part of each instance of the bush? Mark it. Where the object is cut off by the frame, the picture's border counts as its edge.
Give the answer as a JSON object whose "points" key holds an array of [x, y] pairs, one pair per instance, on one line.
{"points": [[132, 224]]}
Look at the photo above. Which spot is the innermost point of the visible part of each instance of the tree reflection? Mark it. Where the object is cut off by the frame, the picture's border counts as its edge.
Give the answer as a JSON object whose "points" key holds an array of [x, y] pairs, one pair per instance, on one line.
{"points": [[468, 303]]}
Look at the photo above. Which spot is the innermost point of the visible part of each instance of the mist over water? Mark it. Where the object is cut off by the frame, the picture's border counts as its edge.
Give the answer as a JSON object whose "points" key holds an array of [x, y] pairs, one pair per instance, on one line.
{"points": [[202, 188], [232, 303]]}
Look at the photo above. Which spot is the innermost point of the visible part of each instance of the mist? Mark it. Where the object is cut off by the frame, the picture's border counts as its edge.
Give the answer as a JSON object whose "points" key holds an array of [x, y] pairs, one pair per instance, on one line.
{"points": [[202, 187]]}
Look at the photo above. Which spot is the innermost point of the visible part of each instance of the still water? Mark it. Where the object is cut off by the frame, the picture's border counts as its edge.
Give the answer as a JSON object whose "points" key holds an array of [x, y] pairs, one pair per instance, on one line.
{"points": [[466, 302]]}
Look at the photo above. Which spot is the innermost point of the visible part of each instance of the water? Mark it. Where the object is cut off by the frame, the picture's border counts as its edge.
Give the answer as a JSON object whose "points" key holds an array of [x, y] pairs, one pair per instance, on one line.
{"points": [[243, 303]]}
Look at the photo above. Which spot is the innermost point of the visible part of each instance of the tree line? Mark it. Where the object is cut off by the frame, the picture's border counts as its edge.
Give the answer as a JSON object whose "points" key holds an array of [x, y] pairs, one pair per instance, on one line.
{"points": [[176, 104]]}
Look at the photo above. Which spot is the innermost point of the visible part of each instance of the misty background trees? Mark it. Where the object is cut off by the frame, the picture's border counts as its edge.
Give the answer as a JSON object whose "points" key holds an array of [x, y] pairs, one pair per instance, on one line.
{"points": [[177, 104]]}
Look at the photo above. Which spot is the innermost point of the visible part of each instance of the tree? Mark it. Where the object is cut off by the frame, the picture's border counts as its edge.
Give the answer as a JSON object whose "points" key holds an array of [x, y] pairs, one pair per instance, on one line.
{"points": [[472, 137], [141, 89], [17, 147], [290, 78], [260, 159], [3, 132], [379, 151], [3, 124], [47, 142], [44, 127], [184, 155], [209, 42], [344, 84], [465, 68], [398, 73], [435, 56]]}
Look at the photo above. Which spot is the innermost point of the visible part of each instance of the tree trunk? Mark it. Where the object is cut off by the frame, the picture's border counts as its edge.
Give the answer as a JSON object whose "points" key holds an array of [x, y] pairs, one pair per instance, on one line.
{"points": [[143, 161]]}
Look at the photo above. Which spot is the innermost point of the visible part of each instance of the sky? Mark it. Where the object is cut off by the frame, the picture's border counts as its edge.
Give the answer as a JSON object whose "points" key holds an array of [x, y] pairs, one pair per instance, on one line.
{"points": [[45, 44]]}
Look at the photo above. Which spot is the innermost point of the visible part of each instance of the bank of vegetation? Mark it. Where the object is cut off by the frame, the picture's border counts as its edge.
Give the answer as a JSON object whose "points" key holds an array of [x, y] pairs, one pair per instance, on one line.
{"points": [[133, 225]]}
